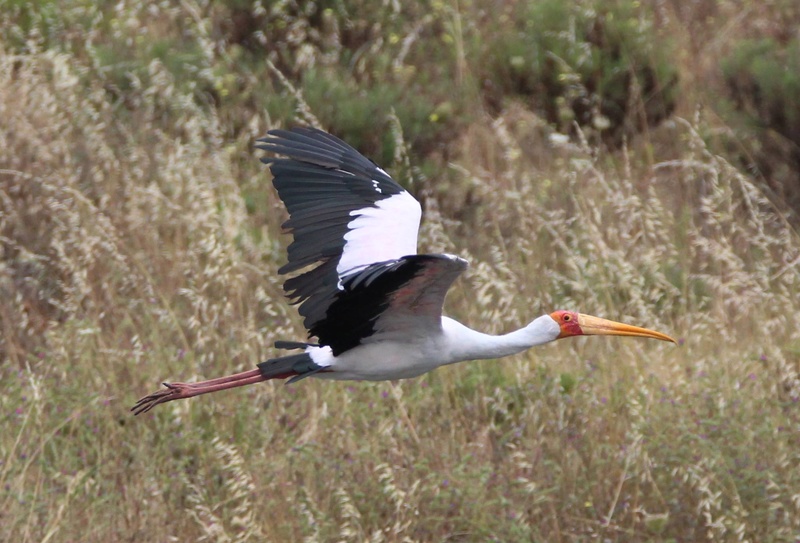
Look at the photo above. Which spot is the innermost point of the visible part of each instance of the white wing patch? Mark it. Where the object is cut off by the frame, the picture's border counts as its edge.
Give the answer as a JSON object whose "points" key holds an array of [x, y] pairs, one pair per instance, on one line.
{"points": [[384, 232]]}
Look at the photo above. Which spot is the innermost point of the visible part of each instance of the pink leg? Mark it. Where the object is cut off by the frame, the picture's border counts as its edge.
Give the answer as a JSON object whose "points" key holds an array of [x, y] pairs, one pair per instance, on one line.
{"points": [[179, 391]]}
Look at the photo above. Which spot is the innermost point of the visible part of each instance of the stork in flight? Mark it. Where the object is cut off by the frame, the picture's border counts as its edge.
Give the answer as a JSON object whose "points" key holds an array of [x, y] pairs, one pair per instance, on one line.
{"points": [[372, 302]]}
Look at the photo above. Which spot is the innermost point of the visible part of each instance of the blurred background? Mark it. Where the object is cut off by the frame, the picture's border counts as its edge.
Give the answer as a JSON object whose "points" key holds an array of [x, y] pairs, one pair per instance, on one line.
{"points": [[636, 160]]}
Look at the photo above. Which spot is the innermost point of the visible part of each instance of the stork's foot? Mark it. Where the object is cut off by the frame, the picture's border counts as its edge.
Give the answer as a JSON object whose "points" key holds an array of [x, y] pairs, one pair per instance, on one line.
{"points": [[174, 391], [179, 391]]}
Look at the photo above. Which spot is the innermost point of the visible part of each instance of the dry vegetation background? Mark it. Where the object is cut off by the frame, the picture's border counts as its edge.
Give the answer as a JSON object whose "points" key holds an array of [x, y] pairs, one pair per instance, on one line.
{"points": [[634, 160]]}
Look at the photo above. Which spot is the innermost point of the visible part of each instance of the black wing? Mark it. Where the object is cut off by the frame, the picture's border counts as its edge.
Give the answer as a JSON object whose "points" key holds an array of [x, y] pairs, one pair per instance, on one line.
{"points": [[402, 297], [345, 213]]}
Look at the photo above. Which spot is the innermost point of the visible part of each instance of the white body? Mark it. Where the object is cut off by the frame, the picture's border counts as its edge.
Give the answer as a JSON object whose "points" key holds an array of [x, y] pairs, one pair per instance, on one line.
{"points": [[386, 358]]}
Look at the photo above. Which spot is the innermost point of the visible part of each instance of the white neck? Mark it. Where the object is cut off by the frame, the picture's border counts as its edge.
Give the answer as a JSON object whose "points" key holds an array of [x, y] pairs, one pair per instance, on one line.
{"points": [[464, 343]]}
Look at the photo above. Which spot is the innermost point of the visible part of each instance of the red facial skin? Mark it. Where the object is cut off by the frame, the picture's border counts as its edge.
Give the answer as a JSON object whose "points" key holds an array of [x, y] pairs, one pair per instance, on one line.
{"points": [[568, 321]]}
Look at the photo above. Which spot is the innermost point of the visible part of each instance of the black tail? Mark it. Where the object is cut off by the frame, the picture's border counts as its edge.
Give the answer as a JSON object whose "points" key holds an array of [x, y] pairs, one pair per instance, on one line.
{"points": [[296, 366]]}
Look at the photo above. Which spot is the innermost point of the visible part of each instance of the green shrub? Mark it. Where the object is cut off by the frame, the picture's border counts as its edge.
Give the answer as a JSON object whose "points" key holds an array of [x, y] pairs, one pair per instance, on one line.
{"points": [[360, 116], [763, 80], [356, 63], [594, 63], [28, 25]]}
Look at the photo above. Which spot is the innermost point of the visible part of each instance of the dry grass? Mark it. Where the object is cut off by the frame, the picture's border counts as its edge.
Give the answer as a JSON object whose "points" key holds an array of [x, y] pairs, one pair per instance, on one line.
{"points": [[131, 254]]}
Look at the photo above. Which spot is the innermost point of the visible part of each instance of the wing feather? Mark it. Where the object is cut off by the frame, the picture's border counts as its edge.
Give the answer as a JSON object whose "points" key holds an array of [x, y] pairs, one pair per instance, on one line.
{"points": [[401, 298], [345, 214]]}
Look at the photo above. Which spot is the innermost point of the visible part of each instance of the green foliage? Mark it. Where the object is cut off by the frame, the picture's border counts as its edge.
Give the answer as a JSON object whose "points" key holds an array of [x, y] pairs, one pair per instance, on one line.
{"points": [[357, 63], [361, 116], [763, 80], [586, 62], [35, 24]]}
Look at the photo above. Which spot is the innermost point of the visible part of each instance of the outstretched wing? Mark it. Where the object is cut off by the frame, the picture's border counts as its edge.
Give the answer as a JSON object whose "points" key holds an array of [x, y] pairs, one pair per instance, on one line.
{"points": [[345, 213], [399, 298]]}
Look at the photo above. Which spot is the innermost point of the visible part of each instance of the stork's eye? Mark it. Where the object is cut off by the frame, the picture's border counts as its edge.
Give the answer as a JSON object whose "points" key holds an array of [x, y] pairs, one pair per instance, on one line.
{"points": [[567, 318]]}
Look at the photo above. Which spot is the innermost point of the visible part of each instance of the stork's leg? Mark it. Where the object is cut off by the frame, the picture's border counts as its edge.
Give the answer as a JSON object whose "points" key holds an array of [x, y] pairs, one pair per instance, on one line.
{"points": [[294, 365], [179, 391]]}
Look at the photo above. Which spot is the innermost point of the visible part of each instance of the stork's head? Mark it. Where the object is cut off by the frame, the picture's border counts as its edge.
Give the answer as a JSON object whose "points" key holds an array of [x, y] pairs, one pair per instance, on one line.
{"points": [[578, 324]]}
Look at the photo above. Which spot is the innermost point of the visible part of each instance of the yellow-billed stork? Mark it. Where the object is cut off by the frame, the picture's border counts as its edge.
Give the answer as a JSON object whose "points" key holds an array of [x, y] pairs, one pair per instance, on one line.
{"points": [[373, 304]]}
